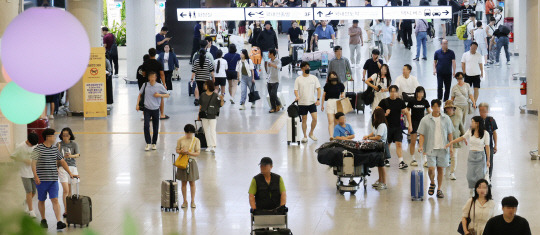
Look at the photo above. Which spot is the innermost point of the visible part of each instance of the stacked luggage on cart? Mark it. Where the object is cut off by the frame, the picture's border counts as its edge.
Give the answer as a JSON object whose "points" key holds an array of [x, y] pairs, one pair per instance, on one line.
{"points": [[318, 61], [296, 51], [350, 160], [269, 222]]}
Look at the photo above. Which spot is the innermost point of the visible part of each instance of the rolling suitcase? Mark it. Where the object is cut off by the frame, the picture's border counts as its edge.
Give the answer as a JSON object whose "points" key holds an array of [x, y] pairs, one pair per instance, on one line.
{"points": [[294, 129], [199, 133], [37, 127], [192, 85], [417, 182], [79, 208], [169, 192]]}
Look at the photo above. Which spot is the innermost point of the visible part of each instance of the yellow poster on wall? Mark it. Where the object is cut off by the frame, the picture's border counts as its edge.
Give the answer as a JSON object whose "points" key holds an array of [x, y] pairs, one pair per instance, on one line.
{"points": [[94, 85]]}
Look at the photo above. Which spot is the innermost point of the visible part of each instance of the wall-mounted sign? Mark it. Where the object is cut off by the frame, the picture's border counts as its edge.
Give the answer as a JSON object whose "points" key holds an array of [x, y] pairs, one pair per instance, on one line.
{"points": [[281, 13], [210, 14], [427, 12], [347, 13]]}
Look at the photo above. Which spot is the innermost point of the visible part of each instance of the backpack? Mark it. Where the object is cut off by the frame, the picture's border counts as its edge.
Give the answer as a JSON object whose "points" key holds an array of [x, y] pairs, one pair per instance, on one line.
{"points": [[503, 29], [461, 32]]}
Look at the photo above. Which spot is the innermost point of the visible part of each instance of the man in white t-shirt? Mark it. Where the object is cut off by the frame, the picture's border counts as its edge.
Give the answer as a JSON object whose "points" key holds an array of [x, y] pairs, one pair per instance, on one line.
{"points": [[304, 88], [472, 64], [480, 37], [23, 155], [406, 82]]}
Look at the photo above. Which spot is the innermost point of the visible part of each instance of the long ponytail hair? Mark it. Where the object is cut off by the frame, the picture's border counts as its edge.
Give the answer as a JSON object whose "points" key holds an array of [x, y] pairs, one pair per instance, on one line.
{"points": [[202, 57], [219, 54]]}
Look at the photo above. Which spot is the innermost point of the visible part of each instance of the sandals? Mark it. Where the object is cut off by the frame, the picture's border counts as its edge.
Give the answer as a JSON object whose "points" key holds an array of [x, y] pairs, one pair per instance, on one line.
{"points": [[272, 111], [431, 190], [166, 117], [440, 194]]}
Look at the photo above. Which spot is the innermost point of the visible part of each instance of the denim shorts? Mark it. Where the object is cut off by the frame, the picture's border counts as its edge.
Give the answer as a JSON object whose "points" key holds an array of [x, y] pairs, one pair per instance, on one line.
{"points": [[438, 158]]}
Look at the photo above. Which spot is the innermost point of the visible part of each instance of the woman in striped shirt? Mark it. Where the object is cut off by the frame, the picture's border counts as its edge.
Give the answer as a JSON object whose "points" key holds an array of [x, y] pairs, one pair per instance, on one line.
{"points": [[202, 71]]}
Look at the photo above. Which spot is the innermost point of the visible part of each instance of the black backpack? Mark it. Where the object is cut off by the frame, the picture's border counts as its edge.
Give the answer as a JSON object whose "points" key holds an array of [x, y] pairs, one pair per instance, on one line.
{"points": [[293, 110], [503, 29]]}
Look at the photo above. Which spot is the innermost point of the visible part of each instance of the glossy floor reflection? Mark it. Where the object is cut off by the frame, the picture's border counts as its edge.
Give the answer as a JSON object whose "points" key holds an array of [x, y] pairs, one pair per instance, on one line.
{"points": [[121, 178]]}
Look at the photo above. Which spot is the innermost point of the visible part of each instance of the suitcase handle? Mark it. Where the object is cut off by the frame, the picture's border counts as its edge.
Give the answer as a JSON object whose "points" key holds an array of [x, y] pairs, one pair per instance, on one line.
{"points": [[196, 127], [173, 168], [75, 195]]}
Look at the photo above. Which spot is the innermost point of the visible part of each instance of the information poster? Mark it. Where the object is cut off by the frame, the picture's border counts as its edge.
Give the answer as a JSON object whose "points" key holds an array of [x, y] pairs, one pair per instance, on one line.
{"points": [[95, 99], [6, 135]]}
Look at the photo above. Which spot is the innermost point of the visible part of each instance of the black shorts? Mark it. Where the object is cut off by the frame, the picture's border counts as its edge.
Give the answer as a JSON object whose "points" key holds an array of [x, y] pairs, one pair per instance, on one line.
{"points": [[415, 126], [231, 75], [304, 109], [51, 98], [395, 134], [474, 81], [221, 82]]}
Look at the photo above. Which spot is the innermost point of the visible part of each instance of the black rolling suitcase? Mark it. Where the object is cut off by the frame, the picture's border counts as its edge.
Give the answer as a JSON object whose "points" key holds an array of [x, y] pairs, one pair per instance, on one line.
{"points": [[356, 99], [169, 192], [79, 208], [199, 133]]}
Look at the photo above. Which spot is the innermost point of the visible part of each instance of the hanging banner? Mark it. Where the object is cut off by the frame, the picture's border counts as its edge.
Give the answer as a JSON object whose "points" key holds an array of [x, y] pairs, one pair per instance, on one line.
{"points": [[421, 12], [210, 14], [348, 13], [279, 13], [95, 99]]}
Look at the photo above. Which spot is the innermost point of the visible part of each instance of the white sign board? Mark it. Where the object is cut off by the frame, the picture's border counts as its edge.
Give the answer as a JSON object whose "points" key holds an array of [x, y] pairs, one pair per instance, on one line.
{"points": [[210, 14], [423, 12], [347, 13], [281, 13]]}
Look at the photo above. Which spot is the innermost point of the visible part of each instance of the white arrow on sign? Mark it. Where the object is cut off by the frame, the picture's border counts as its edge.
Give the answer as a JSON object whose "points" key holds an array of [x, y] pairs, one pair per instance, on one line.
{"points": [[422, 12], [347, 13]]}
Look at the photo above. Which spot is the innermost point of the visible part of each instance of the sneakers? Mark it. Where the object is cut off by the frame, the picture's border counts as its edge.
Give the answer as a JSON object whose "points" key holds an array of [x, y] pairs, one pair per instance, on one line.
{"points": [[60, 225], [415, 59], [313, 137], [196, 102], [213, 149], [497, 63], [403, 165], [381, 187], [154, 147], [32, 214], [452, 176], [386, 163], [208, 149], [147, 147], [508, 63], [376, 184], [425, 164], [252, 105], [242, 107], [414, 163], [304, 140], [232, 101], [353, 66], [51, 117], [424, 58], [44, 223], [486, 65]]}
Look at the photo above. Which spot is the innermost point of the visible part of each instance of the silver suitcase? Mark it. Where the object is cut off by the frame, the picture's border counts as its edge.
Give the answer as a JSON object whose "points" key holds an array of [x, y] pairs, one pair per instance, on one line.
{"points": [[169, 192]]}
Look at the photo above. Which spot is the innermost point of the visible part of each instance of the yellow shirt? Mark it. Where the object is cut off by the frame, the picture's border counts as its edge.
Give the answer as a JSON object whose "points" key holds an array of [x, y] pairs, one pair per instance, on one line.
{"points": [[185, 143]]}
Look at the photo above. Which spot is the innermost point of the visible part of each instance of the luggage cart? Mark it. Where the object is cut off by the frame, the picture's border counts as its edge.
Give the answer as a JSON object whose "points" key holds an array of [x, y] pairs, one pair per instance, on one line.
{"points": [[268, 223], [296, 51], [348, 170]]}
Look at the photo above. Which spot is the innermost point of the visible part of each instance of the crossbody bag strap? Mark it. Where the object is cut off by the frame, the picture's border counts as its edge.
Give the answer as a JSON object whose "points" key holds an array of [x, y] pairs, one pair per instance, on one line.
{"points": [[191, 145], [208, 105]]}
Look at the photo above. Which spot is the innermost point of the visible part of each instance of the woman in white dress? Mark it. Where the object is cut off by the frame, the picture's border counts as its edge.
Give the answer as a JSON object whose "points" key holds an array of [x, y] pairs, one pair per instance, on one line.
{"points": [[380, 83]]}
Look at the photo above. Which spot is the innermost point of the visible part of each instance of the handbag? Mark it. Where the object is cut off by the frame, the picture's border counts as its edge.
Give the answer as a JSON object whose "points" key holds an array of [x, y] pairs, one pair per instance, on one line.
{"points": [[204, 113], [369, 95], [344, 105], [141, 100], [183, 160], [253, 94], [460, 229]]}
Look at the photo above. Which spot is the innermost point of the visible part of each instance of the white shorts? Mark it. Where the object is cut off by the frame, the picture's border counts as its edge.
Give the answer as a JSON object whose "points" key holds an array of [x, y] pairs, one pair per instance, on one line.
{"points": [[387, 50], [331, 106], [63, 176], [482, 48]]}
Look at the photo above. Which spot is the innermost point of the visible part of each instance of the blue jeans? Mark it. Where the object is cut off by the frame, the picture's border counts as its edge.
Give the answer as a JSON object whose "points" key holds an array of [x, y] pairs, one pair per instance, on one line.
{"points": [[245, 82], [467, 45], [502, 42], [421, 40], [154, 114]]}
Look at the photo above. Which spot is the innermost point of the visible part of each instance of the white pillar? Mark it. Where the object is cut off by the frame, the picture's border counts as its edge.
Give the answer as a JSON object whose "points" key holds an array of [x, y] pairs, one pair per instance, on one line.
{"points": [[140, 33], [89, 13], [16, 133], [520, 35], [533, 53]]}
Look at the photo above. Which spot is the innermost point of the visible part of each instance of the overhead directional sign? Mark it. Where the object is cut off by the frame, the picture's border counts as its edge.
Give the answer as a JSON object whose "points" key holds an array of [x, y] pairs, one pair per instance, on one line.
{"points": [[210, 14], [347, 13], [423, 12], [281, 13]]}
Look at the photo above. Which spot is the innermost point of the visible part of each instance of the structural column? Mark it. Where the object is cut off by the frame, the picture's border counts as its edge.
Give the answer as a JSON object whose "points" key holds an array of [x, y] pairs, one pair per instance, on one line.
{"points": [[520, 36], [533, 53], [140, 33], [15, 133], [89, 13]]}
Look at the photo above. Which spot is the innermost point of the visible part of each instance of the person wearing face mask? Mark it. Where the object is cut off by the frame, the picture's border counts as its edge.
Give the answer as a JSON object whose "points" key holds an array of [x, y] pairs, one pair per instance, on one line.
{"points": [[479, 209], [333, 90], [304, 88], [478, 141]]}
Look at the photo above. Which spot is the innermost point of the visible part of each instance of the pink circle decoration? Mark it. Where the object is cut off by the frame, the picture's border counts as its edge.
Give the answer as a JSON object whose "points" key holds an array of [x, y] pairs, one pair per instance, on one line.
{"points": [[6, 77], [45, 50]]}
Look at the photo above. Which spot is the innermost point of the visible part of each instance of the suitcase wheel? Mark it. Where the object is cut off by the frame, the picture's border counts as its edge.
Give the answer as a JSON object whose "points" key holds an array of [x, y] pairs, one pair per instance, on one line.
{"points": [[298, 142], [353, 192], [288, 142], [341, 192]]}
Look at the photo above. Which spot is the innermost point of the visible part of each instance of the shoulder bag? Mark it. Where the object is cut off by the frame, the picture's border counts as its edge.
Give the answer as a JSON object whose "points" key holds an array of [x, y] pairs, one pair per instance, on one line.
{"points": [[141, 100], [183, 160], [253, 94], [369, 95], [204, 113], [460, 229], [470, 105]]}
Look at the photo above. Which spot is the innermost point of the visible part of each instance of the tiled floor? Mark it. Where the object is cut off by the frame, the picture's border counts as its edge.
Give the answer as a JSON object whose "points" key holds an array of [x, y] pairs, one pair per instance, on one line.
{"points": [[123, 179]]}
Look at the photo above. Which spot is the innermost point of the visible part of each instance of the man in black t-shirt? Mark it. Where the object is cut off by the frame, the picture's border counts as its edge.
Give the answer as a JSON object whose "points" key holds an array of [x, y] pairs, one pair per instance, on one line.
{"points": [[508, 222], [295, 33], [372, 65], [152, 65], [394, 107]]}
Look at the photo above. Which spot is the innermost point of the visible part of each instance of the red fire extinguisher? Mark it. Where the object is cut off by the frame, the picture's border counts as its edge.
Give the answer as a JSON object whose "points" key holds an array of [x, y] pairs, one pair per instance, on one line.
{"points": [[511, 38], [523, 88]]}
